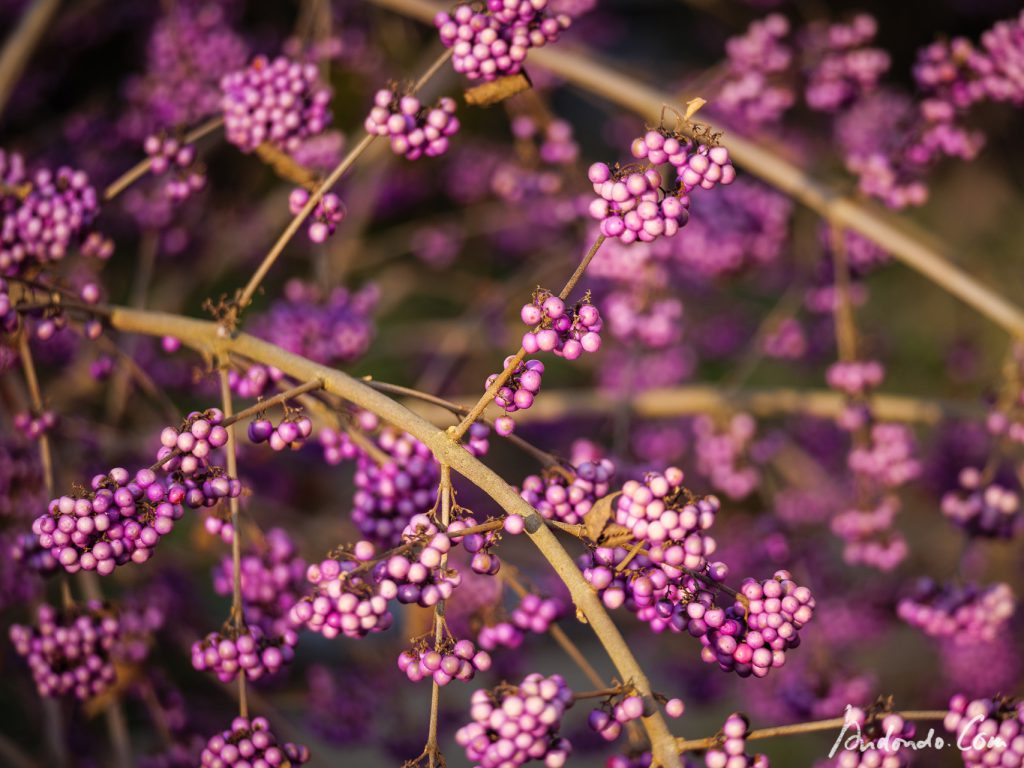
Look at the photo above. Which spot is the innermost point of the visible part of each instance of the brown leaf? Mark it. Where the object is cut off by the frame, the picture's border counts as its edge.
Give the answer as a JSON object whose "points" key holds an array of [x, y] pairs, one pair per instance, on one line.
{"points": [[595, 521], [491, 93]]}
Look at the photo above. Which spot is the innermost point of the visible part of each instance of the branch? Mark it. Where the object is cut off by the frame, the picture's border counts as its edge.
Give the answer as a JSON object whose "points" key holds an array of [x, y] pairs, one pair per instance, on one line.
{"points": [[209, 337], [21, 42], [907, 242]]}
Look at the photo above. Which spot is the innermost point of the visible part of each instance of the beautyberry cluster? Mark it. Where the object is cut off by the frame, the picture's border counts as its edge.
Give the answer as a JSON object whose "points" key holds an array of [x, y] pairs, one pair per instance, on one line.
{"points": [[989, 729], [120, 519], [325, 217], [279, 101], [251, 743], [732, 753], [983, 509], [186, 449], [451, 660], [964, 614], [618, 710], [551, 494], [416, 575], [490, 44], [517, 393], [722, 454], [291, 432], [534, 614], [844, 66], [566, 332], [631, 206], [248, 650], [515, 724], [167, 154], [69, 652], [413, 129], [663, 513]]}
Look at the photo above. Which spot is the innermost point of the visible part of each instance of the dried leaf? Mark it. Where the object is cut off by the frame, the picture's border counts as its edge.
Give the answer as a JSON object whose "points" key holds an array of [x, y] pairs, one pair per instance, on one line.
{"points": [[491, 93], [595, 521]]}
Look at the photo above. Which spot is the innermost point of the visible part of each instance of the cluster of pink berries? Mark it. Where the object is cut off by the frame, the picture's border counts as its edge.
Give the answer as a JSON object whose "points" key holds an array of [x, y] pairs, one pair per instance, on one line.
{"points": [[249, 651], [251, 743], [566, 332], [207, 488], [732, 752], [984, 509], [845, 66], [555, 140], [663, 513], [413, 129], [517, 393], [281, 102], [990, 730], [69, 652], [752, 636], [697, 164], [186, 449], [868, 535], [328, 213], [889, 458], [630, 205], [965, 614], [42, 216], [534, 614], [273, 579], [120, 519], [493, 44], [291, 432], [515, 724], [481, 545], [723, 454], [168, 154], [618, 710], [459, 662], [756, 90], [345, 600], [558, 499], [416, 575], [881, 743], [855, 378], [388, 496], [32, 425]]}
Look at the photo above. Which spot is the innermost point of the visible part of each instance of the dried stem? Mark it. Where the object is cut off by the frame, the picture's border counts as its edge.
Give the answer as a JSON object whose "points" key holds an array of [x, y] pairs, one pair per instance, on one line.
{"points": [[21, 42], [237, 613], [689, 745], [445, 492]]}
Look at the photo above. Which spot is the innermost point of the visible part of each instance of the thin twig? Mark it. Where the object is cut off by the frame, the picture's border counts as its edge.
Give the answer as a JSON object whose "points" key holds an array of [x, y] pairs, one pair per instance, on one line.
{"points": [[21, 42]]}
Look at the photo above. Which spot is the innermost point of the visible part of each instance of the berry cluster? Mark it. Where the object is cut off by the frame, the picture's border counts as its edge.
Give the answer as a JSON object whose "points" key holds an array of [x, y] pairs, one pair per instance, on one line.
{"points": [[168, 154], [722, 454], [615, 712], [331, 328], [517, 393], [273, 579], [555, 498], [388, 496], [989, 729], [964, 614], [556, 145], [250, 743], [869, 535], [889, 458], [325, 217], [480, 545], [416, 575], [534, 614], [732, 753], [451, 660], [249, 651], [515, 724], [291, 432], [752, 636], [983, 509], [707, 167], [207, 488], [882, 740], [281, 102], [855, 378], [32, 425], [69, 651], [663, 513], [566, 332], [844, 66], [186, 449], [493, 44], [630, 204], [120, 519], [44, 215], [345, 600], [755, 90], [413, 129]]}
